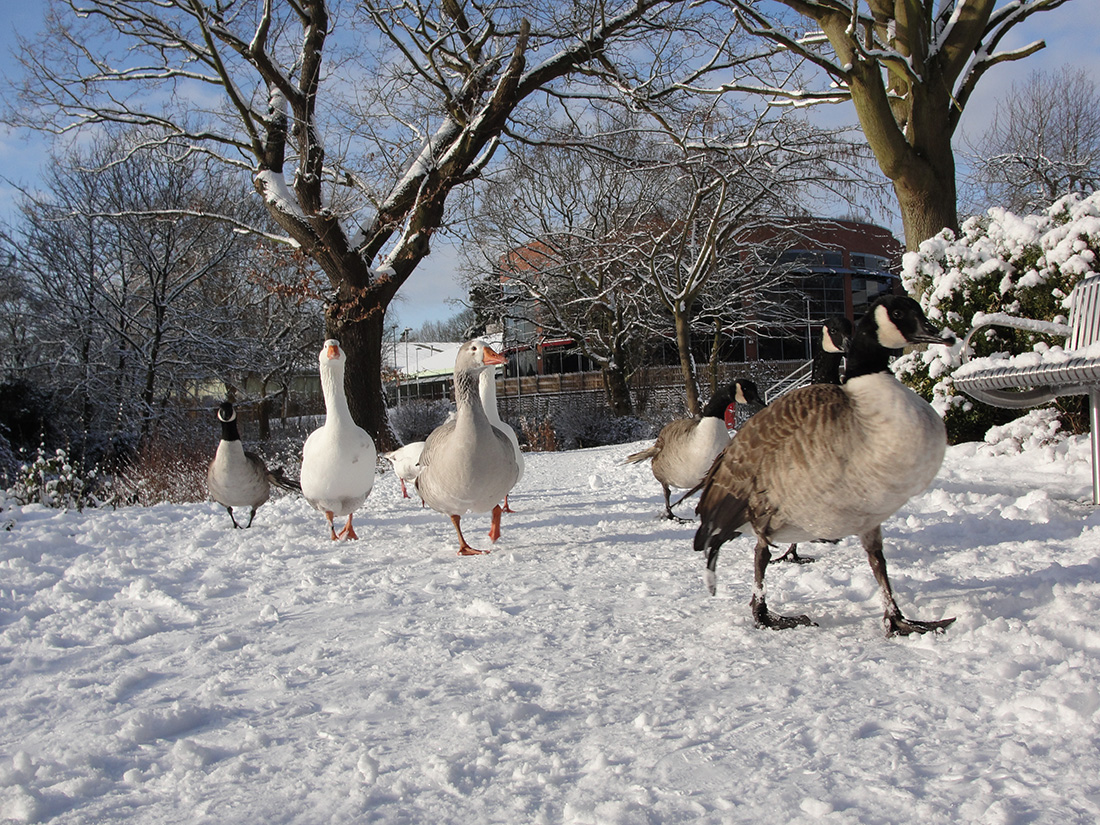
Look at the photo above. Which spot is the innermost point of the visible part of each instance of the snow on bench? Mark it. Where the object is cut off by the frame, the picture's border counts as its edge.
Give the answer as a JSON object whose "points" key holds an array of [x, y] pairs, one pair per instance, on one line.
{"points": [[1034, 378]]}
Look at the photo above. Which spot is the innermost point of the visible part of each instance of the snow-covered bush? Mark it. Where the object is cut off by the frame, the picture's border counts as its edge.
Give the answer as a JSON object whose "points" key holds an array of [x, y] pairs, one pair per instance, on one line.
{"points": [[1033, 430], [414, 420], [51, 479], [1000, 263], [578, 426]]}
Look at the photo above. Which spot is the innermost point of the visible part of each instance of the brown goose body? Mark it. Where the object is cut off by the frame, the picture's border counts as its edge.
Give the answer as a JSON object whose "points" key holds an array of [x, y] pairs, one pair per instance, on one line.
{"points": [[825, 462]]}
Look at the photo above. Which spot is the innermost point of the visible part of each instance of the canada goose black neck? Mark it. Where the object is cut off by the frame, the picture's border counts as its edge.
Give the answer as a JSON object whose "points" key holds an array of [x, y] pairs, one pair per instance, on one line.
{"points": [[891, 323], [716, 407], [836, 336], [227, 416]]}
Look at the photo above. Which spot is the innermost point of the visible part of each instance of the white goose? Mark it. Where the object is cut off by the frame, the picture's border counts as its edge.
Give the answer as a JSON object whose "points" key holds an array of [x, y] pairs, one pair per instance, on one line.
{"points": [[487, 390], [406, 463], [468, 465], [238, 478], [338, 459], [825, 462]]}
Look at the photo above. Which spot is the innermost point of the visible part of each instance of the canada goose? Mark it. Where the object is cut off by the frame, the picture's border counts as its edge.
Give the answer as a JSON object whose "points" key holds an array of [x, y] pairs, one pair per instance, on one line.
{"points": [[238, 478], [467, 464], [406, 463], [487, 391], [685, 448], [825, 462], [835, 335], [338, 458]]}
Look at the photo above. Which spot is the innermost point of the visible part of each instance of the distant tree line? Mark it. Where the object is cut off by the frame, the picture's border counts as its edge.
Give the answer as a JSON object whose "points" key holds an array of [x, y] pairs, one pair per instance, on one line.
{"points": [[125, 302]]}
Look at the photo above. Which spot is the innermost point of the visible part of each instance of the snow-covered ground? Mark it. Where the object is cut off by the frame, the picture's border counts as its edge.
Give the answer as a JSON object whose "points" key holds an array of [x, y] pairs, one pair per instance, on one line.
{"points": [[159, 667]]}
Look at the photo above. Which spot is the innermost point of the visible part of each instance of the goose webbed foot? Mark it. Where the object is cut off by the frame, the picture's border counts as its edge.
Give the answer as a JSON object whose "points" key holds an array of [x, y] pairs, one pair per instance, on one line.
{"points": [[233, 518], [793, 556], [898, 625], [346, 532], [762, 617], [671, 516], [464, 549]]}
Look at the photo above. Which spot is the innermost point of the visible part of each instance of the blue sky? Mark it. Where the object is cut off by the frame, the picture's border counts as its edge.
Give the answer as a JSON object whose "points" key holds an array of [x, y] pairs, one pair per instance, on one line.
{"points": [[1071, 33]]}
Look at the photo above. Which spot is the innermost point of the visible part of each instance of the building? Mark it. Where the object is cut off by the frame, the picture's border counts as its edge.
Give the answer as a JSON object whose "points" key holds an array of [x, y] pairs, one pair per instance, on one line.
{"points": [[829, 267]]}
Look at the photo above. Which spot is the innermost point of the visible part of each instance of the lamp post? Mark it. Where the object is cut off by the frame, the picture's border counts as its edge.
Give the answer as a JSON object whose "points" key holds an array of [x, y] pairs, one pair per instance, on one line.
{"points": [[405, 338], [809, 332]]}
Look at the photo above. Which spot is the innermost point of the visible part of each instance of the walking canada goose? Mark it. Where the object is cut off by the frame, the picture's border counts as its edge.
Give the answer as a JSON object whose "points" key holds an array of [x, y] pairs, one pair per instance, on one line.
{"points": [[338, 458], [406, 463], [468, 466], [835, 335], [685, 448], [238, 478], [487, 391], [825, 462]]}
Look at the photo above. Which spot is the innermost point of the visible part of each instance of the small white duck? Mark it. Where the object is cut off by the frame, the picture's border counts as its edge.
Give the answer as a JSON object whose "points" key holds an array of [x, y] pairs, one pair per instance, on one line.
{"points": [[338, 459], [467, 465], [487, 390], [406, 463], [238, 478]]}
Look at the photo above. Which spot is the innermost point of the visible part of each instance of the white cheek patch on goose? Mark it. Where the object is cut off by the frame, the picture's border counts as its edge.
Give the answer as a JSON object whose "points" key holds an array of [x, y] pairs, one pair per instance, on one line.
{"points": [[827, 342], [889, 335]]}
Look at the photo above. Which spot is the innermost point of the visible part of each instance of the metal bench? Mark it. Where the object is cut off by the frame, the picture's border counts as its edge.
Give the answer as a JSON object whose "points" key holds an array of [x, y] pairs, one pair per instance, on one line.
{"points": [[1027, 381]]}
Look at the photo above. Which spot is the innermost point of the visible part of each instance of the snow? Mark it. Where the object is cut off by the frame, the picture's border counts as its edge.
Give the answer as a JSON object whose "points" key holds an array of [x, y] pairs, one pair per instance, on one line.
{"points": [[159, 667]]}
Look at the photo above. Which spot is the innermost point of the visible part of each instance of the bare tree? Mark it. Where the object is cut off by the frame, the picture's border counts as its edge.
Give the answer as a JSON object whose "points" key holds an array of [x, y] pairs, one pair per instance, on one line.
{"points": [[613, 235], [355, 122], [550, 232], [126, 330], [1043, 143], [910, 69]]}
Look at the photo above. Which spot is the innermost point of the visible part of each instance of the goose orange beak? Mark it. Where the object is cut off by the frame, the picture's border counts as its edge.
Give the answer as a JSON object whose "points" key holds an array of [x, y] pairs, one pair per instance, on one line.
{"points": [[492, 357], [332, 351]]}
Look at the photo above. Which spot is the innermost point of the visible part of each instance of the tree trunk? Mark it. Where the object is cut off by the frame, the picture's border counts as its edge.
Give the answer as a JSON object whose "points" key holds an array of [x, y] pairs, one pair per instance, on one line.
{"points": [[715, 349], [687, 363], [361, 340], [263, 414], [927, 197], [618, 392]]}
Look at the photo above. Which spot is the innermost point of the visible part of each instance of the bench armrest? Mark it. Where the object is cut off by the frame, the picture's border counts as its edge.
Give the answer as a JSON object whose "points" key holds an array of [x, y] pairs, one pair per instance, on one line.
{"points": [[982, 321]]}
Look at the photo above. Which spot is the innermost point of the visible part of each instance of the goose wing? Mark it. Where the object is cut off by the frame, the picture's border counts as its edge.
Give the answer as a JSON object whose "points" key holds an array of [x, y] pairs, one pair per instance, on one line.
{"points": [[781, 467]]}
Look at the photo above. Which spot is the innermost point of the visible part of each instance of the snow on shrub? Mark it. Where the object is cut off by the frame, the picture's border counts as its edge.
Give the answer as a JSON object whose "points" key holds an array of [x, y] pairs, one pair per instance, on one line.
{"points": [[999, 263], [52, 480]]}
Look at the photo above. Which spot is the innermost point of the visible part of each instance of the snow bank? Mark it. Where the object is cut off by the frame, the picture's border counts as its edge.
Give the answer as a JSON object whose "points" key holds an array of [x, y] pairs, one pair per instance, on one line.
{"points": [[157, 667]]}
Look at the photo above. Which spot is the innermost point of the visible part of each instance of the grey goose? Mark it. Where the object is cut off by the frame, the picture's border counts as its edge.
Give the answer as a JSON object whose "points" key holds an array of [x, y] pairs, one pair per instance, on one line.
{"points": [[468, 465]]}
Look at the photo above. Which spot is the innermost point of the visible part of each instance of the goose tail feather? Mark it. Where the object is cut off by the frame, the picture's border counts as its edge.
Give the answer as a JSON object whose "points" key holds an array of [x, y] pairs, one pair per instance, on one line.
{"points": [[649, 452], [283, 481]]}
